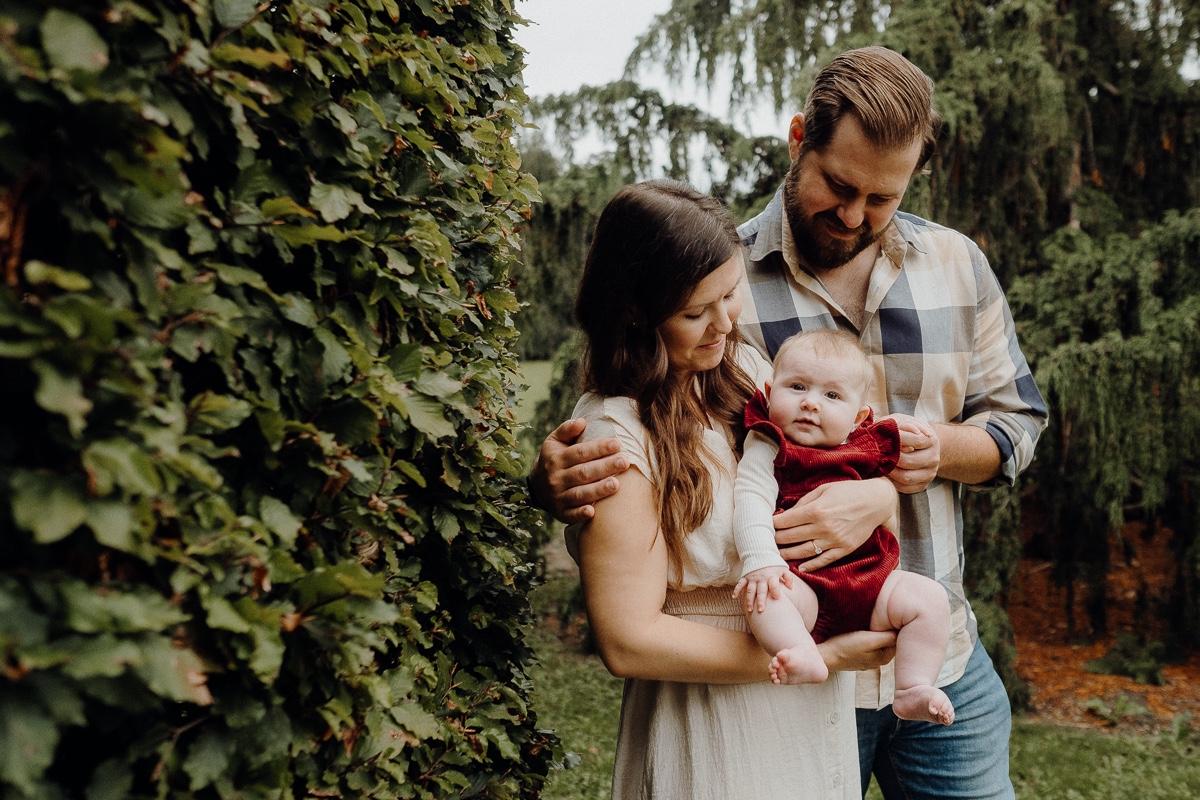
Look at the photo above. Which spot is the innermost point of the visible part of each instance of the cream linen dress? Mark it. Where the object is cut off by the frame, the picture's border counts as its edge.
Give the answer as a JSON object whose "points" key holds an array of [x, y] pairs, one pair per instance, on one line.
{"points": [[684, 741]]}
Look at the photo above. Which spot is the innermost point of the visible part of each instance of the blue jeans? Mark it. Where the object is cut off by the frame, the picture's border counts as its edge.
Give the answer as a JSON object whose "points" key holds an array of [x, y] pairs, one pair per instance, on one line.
{"points": [[923, 760]]}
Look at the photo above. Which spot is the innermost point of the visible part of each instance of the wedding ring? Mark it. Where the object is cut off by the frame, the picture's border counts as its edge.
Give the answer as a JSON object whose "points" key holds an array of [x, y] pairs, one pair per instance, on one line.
{"points": [[816, 548]]}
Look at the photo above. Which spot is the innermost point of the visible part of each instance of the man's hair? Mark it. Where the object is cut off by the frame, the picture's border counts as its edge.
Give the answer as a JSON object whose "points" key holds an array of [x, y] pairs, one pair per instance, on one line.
{"points": [[654, 242], [889, 96], [829, 343]]}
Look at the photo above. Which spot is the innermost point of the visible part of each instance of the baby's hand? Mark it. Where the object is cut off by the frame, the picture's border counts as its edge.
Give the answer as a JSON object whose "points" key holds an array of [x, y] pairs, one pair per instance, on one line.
{"points": [[756, 585]]}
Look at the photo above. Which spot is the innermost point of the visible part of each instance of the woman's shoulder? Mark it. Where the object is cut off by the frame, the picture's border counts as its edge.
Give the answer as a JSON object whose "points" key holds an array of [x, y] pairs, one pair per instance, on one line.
{"points": [[754, 363], [621, 411], [616, 417]]}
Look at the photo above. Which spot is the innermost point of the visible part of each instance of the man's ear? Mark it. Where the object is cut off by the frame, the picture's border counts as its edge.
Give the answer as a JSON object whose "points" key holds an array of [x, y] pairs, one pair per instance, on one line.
{"points": [[795, 136], [861, 415]]}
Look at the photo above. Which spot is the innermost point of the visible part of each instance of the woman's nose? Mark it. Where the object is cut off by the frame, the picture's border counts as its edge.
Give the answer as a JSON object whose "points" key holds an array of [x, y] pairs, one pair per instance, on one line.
{"points": [[723, 324]]}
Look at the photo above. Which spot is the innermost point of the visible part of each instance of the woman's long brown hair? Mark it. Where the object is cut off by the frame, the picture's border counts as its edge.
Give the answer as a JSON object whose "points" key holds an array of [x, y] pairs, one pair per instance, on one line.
{"points": [[654, 242]]}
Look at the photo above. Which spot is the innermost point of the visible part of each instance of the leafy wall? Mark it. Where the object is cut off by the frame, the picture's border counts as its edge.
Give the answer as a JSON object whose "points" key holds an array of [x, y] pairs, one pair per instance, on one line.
{"points": [[260, 532]]}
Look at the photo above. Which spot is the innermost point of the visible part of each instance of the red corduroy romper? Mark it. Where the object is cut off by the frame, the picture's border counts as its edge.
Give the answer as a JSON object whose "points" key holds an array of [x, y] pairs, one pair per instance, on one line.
{"points": [[847, 589]]}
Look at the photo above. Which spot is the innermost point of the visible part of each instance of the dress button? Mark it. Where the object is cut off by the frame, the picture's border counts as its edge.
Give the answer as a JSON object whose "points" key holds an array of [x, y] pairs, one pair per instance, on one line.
{"points": [[837, 779], [833, 718]]}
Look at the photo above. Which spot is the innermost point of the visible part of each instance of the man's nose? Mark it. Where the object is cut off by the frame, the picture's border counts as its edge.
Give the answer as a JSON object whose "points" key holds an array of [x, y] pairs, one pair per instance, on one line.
{"points": [[852, 212]]}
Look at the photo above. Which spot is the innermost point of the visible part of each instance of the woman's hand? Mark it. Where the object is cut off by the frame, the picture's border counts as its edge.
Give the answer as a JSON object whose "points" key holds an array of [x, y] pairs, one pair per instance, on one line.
{"points": [[832, 520], [757, 585], [858, 650]]}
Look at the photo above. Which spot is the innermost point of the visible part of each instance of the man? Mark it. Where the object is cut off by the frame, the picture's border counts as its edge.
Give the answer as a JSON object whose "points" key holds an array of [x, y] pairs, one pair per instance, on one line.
{"points": [[831, 250]]}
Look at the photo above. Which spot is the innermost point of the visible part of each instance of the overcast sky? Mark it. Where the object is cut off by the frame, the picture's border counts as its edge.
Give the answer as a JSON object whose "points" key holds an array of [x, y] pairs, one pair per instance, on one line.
{"points": [[576, 42]]}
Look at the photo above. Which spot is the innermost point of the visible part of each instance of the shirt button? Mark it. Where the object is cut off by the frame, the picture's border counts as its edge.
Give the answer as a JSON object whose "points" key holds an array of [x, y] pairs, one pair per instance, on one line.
{"points": [[833, 718], [837, 779]]}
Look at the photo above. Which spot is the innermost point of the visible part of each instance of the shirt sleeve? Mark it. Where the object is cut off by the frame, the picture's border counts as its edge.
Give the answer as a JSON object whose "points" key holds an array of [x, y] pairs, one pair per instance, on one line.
{"points": [[754, 494], [614, 417], [1001, 395]]}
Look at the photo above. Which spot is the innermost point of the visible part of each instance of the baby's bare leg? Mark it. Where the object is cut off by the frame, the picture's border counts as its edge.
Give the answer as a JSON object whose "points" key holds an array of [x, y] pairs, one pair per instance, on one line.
{"points": [[917, 607], [783, 628]]}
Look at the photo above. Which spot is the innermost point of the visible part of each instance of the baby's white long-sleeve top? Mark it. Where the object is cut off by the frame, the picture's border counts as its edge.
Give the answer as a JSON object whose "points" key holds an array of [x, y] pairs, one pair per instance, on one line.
{"points": [[754, 495]]}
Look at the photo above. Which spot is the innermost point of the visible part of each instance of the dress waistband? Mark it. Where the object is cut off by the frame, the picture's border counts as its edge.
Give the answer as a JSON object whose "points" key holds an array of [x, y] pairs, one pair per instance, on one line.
{"points": [[712, 601]]}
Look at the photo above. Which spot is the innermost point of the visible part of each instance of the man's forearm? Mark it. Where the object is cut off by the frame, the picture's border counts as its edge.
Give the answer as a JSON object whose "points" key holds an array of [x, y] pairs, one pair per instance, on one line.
{"points": [[969, 454]]}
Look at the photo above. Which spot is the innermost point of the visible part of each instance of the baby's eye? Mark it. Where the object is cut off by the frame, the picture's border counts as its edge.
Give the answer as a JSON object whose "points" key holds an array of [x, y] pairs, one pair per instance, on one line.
{"points": [[798, 387], [833, 395]]}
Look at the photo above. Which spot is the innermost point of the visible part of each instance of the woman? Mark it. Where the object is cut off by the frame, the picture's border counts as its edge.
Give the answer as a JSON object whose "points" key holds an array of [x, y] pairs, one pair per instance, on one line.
{"points": [[667, 376]]}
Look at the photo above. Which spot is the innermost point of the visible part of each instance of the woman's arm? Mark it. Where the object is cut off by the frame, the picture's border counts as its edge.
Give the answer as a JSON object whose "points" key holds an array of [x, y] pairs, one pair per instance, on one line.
{"points": [[624, 567]]}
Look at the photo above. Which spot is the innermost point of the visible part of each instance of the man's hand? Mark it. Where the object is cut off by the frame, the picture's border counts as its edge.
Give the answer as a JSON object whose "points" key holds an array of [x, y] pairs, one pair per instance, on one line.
{"points": [[756, 585], [568, 476], [858, 650], [920, 454], [832, 520]]}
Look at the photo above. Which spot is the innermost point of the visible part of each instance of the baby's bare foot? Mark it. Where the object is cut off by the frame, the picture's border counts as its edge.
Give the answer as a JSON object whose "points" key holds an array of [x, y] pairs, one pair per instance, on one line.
{"points": [[799, 664], [926, 703]]}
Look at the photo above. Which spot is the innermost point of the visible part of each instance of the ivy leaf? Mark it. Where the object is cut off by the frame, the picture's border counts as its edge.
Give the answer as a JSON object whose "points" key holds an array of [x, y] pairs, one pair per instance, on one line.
{"points": [[72, 44], [29, 737], [119, 462], [117, 612], [335, 203], [47, 506], [298, 235], [208, 758], [174, 672], [232, 13], [254, 56], [416, 720], [279, 519], [62, 394], [275, 207], [39, 272], [218, 412], [429, 417], [112, 525], [222, 615], [112, 780]]}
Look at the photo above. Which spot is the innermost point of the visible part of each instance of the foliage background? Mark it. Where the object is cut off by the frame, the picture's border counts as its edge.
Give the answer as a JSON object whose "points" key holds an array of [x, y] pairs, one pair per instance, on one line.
{"points": [[261, 535]]}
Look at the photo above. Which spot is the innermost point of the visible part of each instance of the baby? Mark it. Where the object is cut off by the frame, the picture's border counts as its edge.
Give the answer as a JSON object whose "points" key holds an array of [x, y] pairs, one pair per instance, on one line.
{"points": [[817, 430]]}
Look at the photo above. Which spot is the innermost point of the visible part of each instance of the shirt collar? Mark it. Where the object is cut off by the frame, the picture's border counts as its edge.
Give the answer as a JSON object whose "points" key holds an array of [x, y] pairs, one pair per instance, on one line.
{"points": [[775, 235]]}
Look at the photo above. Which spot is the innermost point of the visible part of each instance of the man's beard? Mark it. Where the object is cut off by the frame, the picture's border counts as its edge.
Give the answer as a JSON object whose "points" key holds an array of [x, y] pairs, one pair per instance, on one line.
{"points": [[818, 250]]}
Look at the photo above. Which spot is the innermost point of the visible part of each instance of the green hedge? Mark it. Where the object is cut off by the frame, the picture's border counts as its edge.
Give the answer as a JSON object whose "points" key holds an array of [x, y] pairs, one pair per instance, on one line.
{"points": [[260, 533]]}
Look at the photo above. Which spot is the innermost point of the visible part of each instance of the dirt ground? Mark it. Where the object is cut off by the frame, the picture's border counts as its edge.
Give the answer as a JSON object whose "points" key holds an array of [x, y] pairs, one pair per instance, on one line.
{"points": [[1054, 665]]}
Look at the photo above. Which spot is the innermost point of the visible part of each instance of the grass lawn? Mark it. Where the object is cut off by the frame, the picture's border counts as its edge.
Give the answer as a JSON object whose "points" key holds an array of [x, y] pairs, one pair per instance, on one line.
{"points": [[537, 378], [579, 699]]}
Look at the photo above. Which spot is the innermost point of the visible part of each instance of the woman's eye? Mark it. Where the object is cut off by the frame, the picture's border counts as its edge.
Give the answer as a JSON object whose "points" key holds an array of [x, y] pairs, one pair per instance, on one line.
{"points": [[692, 316]]}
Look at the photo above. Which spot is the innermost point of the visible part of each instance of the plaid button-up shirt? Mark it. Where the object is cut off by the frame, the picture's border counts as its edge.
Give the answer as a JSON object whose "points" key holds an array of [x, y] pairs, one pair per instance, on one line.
{"points": [[939, 334]]}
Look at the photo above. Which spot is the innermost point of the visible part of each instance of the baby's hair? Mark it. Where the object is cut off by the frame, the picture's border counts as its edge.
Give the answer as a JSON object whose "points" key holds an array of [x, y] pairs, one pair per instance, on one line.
{"points": [[829, 342]]}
